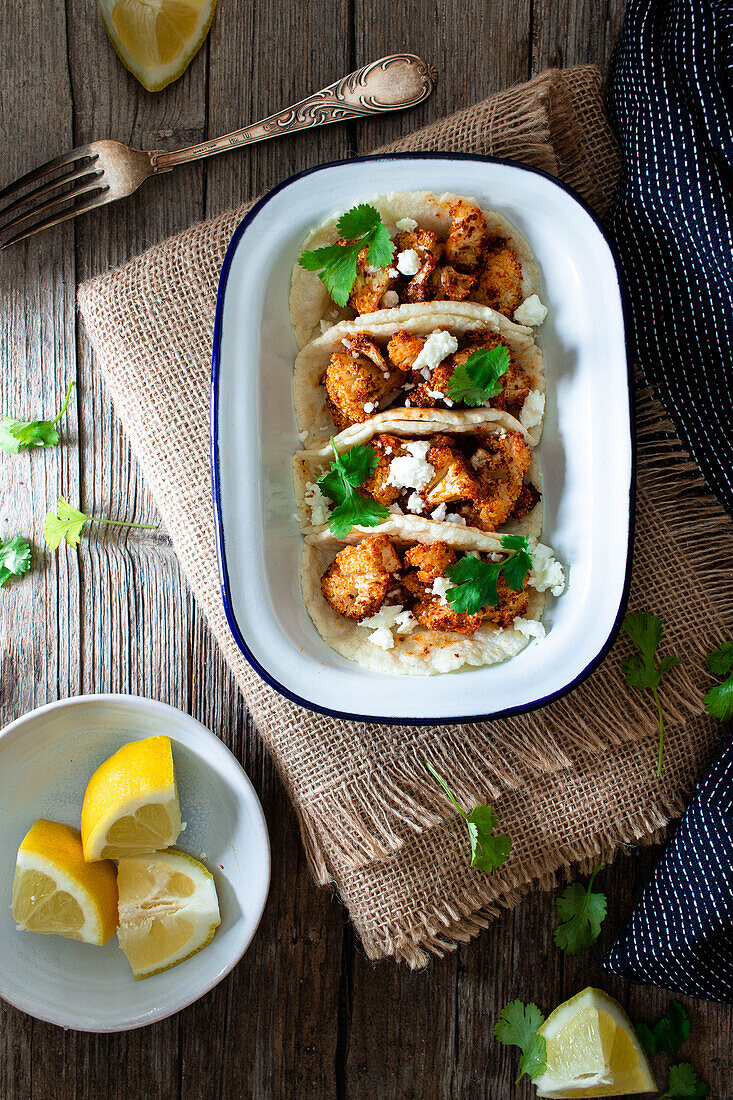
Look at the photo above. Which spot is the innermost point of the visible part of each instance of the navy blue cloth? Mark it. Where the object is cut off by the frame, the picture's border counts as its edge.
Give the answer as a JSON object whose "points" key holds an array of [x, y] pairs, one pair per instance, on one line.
{"points": [[680, 935], [670, 98]]}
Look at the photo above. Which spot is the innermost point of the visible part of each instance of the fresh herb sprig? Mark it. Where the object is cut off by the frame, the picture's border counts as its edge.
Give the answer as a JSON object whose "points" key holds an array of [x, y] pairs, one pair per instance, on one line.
{"points": [[582, 911], [517, 1026], [474, 581], [335, 264], [15, 434], [668, 1034], [684, 1082], [645, 631], [719, 700], [347, 472], [15, 558], [488, 850], [477, 380], [67, 523]]}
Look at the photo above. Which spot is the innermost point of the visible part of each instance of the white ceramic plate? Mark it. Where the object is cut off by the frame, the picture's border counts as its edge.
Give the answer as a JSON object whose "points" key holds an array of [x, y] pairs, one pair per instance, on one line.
{"points": [[586, 450], [46, 759]]}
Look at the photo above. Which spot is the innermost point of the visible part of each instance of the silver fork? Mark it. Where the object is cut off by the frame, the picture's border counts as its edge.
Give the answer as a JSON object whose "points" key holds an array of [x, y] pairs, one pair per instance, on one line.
{"points": [[105, 171]]}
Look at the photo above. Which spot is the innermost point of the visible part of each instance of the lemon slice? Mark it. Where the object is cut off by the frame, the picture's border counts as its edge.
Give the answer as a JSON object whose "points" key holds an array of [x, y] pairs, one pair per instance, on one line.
{"points": [[56, 892], [592, 1050], [156, 39], [168, 910], [131, 802]]}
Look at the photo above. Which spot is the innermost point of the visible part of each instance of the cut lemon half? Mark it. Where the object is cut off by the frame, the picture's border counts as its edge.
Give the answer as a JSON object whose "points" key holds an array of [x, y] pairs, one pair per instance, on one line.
{"points": [[592, 1050], [56, 893], [168, 910], [156, 39], [131, 802]]}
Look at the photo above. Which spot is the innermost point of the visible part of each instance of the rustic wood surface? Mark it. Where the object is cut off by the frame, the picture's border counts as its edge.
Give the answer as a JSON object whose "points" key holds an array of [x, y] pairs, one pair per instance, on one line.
{"points": [[304, 1014]]}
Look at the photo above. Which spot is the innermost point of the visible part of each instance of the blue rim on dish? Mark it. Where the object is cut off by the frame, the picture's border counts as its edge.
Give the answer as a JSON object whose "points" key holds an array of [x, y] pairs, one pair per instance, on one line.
{"points": [[215, 474]]}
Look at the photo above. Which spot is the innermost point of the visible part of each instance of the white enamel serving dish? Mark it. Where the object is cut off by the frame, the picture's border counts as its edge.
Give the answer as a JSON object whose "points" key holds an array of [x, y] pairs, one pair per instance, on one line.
{"points": [[586, 451], [46, 759]]}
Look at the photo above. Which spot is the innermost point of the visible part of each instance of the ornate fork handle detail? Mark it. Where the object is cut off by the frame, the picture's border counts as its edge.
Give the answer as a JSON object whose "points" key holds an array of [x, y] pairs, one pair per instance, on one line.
{"points": [[390, 84]]}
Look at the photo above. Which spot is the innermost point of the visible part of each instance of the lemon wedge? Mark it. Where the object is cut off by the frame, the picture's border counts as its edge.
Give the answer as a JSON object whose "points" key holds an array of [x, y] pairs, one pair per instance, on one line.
{"points": [[131, 802], [156, 39], [168, 910], [592, 1050], [56, 892]]}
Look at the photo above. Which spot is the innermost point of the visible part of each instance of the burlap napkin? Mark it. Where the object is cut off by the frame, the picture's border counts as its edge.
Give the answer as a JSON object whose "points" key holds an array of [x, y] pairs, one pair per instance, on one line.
{"points": [[570, 782]]}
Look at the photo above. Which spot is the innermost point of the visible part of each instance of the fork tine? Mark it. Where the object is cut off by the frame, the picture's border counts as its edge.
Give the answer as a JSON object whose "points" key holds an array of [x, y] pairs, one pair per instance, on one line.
{"points": [[54, 203], [55, 219], [80, 174], [44, 169]]}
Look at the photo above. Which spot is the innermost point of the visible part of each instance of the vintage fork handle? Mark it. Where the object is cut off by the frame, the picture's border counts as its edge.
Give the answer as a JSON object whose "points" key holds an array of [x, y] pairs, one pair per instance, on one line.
{"points": [[390, 84]]}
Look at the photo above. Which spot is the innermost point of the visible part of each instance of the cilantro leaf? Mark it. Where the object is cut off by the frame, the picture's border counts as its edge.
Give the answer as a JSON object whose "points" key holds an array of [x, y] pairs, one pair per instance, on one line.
{"points": [[15, 434], [476, 380], [719, 700], [347, 472], [582, 913], [517, 1026], [15, 558], [720, 661], [668, 1034], [474, 581], [488, 851], [683, 1081], [67, 523], [335, 264], [643, 673]]}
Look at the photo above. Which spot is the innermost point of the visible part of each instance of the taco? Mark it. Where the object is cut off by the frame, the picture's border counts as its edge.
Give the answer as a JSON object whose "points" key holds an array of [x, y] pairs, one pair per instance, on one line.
{"points": [[385, 601], [446, 248], [473, 469], [406, 358]]}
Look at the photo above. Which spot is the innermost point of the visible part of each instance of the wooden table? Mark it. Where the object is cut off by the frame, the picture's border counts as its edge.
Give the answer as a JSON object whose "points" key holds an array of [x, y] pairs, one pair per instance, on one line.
{"points": [[304, 1014]]}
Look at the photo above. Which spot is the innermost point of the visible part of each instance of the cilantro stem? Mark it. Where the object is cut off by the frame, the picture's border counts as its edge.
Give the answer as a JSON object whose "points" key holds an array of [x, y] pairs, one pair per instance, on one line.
{"points": [[124, 523], [65, 404], [661, 730], [445, 787]]}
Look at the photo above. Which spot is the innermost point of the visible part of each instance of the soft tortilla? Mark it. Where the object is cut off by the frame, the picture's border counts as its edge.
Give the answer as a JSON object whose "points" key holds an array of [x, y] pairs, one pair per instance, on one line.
{"points": [[309, 465], [310, 302], [458, 318], [424, 652]]}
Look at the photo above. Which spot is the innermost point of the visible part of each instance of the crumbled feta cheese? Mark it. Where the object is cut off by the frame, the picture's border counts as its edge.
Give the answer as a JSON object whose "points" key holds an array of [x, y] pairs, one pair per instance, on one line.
{"points": [[386, 374], [390, 298], [411, 471], [406, 225], [355, 355], [393, 273], [408, 386], [382, 638], [302, 436], [531, 312], [317, 503], [435, 349], [441, 585], [391, 617], [530, 628], [479, 459], [369, 406], [395, 510], [415, 503], [533, 409], [547, 572], [453, 517], [408, 262], [439, 514]]}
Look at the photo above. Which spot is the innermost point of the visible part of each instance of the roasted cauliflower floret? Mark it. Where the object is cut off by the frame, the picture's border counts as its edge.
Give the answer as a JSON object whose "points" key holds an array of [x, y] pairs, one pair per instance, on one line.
{"points": [[467, 240], [433, 393], [357, 380], [428, 249], [501, 463], [430, 560], [404, 348], [454, 478], [359, 577], [447, 284], [387, 447], [499, 282], [370, 285], [510, 605], [437, 615]]}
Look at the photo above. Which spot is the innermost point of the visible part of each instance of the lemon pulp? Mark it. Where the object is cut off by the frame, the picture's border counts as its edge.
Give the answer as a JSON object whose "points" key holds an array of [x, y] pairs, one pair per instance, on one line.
{"points": [[157, 39]]}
